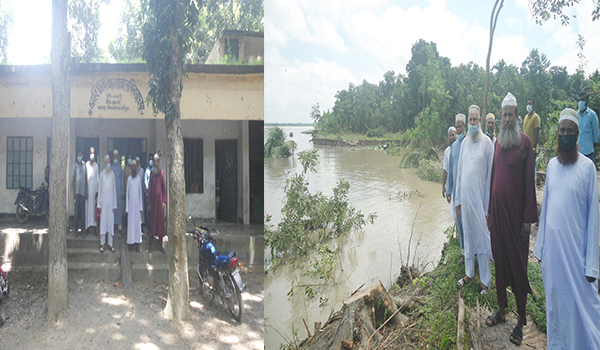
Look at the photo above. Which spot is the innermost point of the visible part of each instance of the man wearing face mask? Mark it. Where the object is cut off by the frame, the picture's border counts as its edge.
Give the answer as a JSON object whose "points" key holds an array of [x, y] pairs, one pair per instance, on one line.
{"points": [[91, 169], [451, 139], [588, 127], [567, 243], [107, 200], [79, 194], [157, 200], [127, 169], [146, 182], [459, 122], [472, 199], [119, 183], [531, 126]]}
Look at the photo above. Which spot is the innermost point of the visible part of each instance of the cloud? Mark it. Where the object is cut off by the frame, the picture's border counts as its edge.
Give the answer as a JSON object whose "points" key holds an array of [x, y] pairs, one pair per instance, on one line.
{"points": [[292, 87]]}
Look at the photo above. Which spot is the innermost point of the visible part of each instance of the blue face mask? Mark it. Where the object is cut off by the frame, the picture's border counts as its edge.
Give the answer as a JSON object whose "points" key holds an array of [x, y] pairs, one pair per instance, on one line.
{"points": [[473, 129], [151, 163], [567, 142], [581, 105], [115, 161], [460, 137], [79, 159]]}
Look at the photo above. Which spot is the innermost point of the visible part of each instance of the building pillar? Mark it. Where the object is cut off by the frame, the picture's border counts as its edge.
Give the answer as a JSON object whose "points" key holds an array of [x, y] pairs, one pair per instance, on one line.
{"points": [[246, 171]]}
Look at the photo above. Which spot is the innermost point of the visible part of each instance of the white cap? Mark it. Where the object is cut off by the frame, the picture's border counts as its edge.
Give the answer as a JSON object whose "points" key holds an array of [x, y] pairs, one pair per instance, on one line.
{"points": [[490, 116], [156, 156], [460, 116], [107, 158], [451, 128], [509, 100], [474, 109], [569, 114], [115, 151]]}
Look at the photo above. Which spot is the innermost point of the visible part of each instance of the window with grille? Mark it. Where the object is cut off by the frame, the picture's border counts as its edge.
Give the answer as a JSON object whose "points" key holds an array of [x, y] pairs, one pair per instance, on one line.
{"points": [[193, 163], [19, 162]]}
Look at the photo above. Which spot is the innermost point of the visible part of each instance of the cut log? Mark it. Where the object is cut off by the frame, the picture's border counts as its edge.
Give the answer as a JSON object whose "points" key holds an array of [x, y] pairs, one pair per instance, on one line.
{"points": [[461, 323], [361, 314]]}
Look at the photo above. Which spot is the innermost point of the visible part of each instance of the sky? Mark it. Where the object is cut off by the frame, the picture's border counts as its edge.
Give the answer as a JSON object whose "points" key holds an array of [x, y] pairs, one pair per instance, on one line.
{"points": [[31, 35], [315, 48]]}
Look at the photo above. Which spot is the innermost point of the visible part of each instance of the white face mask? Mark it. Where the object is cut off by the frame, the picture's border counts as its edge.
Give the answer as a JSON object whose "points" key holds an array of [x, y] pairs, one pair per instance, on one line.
{"points": [[91, 157], [529, 108]]}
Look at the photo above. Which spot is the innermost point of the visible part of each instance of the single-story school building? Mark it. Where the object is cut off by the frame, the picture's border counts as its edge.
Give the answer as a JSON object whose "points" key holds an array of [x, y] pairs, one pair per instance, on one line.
{"points": [[222, 114]]}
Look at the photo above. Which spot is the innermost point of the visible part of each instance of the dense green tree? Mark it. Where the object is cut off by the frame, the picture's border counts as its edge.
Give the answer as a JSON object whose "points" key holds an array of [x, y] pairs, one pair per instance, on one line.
{"points": [[213, 17], [84, 24], [424, 103]]}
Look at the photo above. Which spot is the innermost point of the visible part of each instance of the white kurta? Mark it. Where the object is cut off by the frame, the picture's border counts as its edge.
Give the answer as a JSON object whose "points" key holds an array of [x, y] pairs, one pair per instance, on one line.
{"points": [[90, 203], [107, 201], [445, 167], [473, 193], [134, 206], [567, 245]]}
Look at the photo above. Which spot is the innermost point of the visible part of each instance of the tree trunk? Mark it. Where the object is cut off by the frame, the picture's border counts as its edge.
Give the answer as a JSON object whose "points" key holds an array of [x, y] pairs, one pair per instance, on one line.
{"points": [[361, 314], [61, 95], [179, 284], [493, 21]]}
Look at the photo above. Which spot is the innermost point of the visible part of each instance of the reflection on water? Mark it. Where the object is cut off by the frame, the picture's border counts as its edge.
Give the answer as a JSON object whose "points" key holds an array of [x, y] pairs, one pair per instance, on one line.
{"points": [[369, 256]]}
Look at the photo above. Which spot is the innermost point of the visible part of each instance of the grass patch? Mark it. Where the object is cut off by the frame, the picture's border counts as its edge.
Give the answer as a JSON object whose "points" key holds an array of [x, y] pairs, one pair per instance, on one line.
{"points": [[437, 315]]}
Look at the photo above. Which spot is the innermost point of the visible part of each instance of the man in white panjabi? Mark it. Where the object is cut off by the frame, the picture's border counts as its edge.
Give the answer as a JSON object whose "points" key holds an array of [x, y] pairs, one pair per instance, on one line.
{"points": [[107, 203], [134, 205], [567, 243], [472, 199], [91, 168]]}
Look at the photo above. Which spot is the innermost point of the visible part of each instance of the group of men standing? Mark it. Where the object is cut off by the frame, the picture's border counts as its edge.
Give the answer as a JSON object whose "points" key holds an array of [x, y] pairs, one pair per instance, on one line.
{"points": [[99, 199], [491, 191]]}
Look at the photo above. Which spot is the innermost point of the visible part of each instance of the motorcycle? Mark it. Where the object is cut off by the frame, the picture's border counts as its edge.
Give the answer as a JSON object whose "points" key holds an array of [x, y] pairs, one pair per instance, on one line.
{"points": [[32, 203], [4, 290], [218, 272]]}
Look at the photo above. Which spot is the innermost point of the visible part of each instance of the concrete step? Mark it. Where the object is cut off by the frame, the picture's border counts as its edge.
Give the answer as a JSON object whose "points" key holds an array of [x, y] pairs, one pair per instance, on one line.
{"points": [[94, 271], [146, 271], [90, 241], [93, 255]]}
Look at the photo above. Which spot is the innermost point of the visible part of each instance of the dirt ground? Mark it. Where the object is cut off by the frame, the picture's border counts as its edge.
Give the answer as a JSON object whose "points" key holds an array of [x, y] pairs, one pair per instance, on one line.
{"points": [[104, 316]]}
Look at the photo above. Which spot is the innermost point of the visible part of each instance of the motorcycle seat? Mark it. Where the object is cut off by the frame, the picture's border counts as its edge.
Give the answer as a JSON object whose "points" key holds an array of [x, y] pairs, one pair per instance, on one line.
{"points": [[29, 191]]}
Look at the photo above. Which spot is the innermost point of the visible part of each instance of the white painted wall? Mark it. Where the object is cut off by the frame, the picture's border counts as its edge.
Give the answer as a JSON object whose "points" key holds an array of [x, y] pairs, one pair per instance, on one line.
{"points": [[39, 129]]}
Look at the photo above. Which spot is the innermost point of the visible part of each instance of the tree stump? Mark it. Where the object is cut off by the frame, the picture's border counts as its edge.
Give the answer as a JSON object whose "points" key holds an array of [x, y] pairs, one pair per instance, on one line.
{"points": [[360, 316]]}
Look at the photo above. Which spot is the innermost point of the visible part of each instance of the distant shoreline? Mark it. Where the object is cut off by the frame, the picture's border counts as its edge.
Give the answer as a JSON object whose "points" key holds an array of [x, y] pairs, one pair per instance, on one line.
{"points": [[290, 124]]}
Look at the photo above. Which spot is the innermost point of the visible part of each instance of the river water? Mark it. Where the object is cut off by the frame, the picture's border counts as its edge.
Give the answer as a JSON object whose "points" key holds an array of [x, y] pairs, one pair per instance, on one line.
{"points": [[371, 255]]}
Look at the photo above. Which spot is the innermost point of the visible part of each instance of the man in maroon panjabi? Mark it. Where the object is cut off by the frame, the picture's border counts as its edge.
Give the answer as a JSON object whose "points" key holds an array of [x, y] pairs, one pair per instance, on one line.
{"points": [[513, 207], [157, 200]]}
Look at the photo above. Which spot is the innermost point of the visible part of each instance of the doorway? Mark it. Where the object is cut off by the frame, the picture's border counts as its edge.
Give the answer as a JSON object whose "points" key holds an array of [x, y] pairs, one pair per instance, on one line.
{"points": [[226, 179]]}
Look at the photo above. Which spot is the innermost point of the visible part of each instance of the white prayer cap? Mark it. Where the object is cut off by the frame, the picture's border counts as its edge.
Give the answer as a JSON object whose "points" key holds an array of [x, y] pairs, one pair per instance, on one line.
{"points": [[107, 158], [460, 116], [569, 114], [137, 158], [156, 156], [509, 100], [490, 116], [133, 162], [116, 151], [474, 109], [451, 129]]}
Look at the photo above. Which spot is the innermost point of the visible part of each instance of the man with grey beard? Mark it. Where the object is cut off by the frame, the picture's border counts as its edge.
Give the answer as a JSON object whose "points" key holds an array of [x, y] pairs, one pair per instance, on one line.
{"points": [[512, 210]]}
